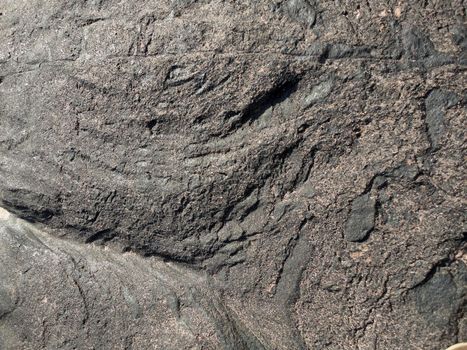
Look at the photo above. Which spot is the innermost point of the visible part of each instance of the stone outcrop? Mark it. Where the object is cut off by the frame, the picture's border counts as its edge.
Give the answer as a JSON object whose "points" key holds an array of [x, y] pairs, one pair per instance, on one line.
{"points": [[268, 174]]}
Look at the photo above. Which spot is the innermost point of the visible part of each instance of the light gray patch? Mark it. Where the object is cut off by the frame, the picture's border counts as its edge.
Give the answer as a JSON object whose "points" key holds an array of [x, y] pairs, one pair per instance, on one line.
{"points": [[302, 11], [318, 93]]}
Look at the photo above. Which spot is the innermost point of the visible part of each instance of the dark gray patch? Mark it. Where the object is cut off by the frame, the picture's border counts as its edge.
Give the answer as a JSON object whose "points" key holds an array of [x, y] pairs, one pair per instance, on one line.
{"points": [[437, 300], [30, 205], [459, 36], [6, 302], [325, 51], [416, 44], [436, 104], [361, 220]]}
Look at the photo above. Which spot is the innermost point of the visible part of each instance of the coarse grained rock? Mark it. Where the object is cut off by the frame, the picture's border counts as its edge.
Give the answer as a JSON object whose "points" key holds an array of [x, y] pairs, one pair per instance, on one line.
{"points": [[307, 157]]}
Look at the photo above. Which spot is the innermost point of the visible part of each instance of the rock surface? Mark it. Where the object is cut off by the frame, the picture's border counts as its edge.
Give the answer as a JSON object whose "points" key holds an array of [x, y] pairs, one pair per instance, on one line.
{"points": [[277, 174], [361, 219], [57, 294]]}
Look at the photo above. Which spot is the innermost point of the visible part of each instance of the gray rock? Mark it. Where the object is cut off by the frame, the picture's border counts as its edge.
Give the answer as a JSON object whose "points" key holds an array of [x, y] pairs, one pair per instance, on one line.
{"points": [[192, 173], [417, 45], [361, 220], [318, 93], [437, 300], [231, 232], [436, 104], [302, 10], [77, 296]]}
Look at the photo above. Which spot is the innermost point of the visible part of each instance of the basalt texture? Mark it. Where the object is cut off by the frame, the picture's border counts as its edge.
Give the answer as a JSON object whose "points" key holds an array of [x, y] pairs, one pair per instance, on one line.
{"points": [[268, 174]]}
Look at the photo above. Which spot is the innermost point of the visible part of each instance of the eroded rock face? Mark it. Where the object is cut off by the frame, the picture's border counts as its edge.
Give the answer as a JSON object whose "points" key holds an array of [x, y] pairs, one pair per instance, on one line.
{"points": [[61, 295], [307, 157]]}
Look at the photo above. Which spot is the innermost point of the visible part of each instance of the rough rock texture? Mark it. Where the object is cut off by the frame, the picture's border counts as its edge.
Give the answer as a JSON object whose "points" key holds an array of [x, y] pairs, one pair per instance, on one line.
{"points": [[277, 174]]}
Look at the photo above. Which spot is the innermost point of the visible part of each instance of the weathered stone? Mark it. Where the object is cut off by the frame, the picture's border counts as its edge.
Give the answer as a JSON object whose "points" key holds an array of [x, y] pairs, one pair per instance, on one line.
{"points": [[194, 171], [436, 104], [318, 93], [361, 220], [417, 45]]}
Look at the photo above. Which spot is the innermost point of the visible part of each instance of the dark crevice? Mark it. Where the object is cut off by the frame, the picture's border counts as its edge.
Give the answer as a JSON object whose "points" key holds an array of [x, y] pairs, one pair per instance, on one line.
{"points": [[103, 235], [263, 102], [183, 260], [34, 212], [90, 21], [151, 124]]}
